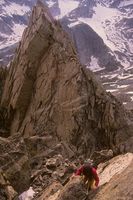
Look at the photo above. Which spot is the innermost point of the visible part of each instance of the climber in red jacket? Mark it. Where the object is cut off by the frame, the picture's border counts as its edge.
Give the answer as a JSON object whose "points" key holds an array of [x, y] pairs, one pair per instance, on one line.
{"points": [[90, 176]]}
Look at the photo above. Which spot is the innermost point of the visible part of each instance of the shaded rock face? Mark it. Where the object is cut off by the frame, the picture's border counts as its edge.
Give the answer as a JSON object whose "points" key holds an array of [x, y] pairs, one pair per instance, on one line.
{"points": [[3, 74], [88, 44], [14, 163], [73, 190], [51, 94], [85, 9], [4, 120]]}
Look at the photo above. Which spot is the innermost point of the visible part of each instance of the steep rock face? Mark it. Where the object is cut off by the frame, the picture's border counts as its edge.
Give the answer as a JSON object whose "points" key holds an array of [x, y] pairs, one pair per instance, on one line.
{"points": [[115, 182], [50, 93], [3, 74], [3, 111]]}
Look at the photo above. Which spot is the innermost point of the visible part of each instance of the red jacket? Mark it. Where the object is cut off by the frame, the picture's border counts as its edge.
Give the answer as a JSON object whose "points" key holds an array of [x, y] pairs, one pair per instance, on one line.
{"points": [[94, 172]]}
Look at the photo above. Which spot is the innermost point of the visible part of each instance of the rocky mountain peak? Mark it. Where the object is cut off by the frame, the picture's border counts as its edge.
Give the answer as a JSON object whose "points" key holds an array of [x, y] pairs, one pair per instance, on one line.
{"points": [[48, 92], [55, 106], [93, 25]]}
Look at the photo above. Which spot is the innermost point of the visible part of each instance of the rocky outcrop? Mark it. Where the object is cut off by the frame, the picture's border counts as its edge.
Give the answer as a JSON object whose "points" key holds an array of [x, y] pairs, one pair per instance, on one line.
{"points": [[6, 190], [51, 94], [115, 182], [14, 164], [50, 166], [102, 156]]}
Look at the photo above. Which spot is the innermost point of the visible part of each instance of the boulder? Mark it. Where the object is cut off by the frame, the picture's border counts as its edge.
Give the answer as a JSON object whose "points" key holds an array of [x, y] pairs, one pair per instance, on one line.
{"points": [[51, 191], [73, 190], [52, 163], [102, 156]]}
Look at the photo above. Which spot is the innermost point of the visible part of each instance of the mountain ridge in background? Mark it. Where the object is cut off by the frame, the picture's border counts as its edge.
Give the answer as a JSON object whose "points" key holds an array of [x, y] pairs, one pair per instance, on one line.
{"points": [[101, 30]]}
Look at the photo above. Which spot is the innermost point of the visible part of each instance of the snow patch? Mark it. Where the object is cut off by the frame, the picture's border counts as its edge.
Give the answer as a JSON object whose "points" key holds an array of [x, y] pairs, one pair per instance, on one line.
{"points": [[124, 62], [125, 3], [67, 6], [13, 38], [15, 9], [73, 24], [131, 98], [2, 2], [104, 21], [112, 90], [124, 103], [110, 76], [94, 66], [18, 29], [121, 77], [27, 195], [130, 92], [50, 3], [113, 85], [102, 18], [122, 86]]}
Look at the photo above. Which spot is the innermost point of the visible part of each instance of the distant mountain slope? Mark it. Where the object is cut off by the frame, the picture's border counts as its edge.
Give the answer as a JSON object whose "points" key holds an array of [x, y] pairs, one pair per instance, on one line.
{"points": [[14, 16], [102, 31], [112, 21]]}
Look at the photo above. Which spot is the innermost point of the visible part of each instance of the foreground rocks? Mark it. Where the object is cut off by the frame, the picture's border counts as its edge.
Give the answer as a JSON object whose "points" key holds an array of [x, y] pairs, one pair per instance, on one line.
{"points": [[6, 190], [118, 174], [14, 165], [115, 183], [102, 156]]}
